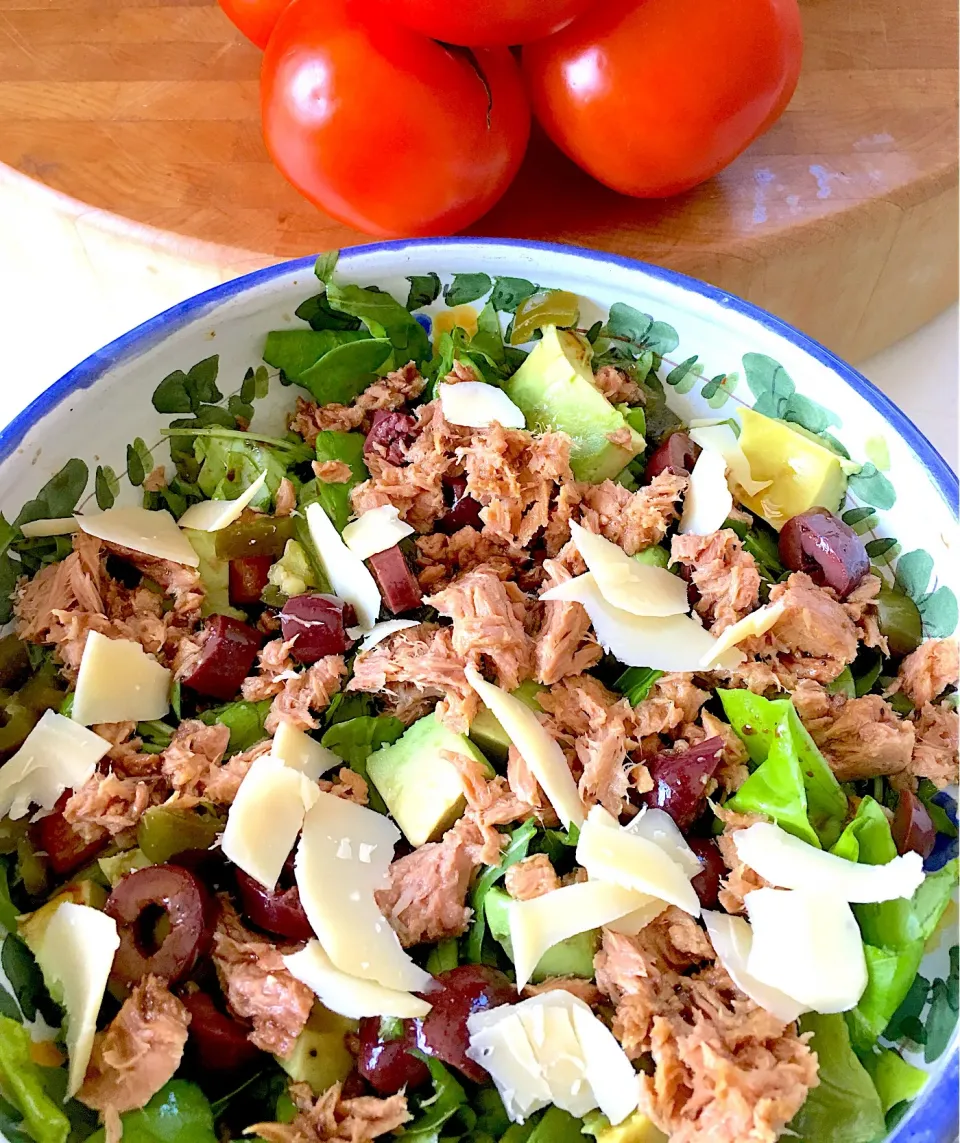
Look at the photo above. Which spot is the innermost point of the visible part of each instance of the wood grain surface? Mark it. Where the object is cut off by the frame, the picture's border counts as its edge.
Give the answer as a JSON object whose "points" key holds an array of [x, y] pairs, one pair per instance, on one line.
{"points": [[842, 219]]}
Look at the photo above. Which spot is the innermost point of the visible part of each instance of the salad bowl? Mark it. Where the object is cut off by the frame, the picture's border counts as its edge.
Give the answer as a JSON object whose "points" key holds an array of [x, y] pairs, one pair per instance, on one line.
{"points": [[714, 354]]}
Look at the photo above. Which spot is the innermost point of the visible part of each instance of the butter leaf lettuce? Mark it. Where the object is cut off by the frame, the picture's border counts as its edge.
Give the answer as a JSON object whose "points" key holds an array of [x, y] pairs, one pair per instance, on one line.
{"points": [[22, 1086], [896, 1081], [348, 448], [792, 785]]}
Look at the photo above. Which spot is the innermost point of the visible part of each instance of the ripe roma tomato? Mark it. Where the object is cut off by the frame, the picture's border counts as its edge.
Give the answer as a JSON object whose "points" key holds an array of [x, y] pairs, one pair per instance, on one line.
{"points": [[654, 96], [255, 18], [484, 23], [387, 130]]}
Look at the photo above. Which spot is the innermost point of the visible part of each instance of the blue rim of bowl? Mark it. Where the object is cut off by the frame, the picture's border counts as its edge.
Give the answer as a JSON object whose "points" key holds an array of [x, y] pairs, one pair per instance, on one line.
{"points": [[933, 1117]]}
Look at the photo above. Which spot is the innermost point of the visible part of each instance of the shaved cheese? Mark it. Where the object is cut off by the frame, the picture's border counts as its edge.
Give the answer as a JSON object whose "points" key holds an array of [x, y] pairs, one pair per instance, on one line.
{"points": [[375, 531], [475, 404], [756, 623], [788, 862], [75, 955], [56, 755], [632, 923], [266, 817], [349, 995], [212, 515], [348, 575], [299, 751], [732, 940], [540, 752], [542, 922], [671, 643], [119, 682], [660, 828], [609, 853], [342, 860], [708, 500], [62, 526], [552, 1049], [641, 589], [379, 632], [153, 533], [807, 945], [722, 439]]}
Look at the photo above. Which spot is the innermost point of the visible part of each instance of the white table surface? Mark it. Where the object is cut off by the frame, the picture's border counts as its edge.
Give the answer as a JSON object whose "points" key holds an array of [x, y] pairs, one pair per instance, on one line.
{"points": [[69, 283]]}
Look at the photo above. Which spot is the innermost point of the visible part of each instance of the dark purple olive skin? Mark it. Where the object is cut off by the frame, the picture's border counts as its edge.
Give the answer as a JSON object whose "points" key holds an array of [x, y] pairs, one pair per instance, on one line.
{"points": [[217, 1041], [391, 434], [829, 551], [913, 828], [678, 453], [463, 511], [707, 881], [318, 625], [680, 780], [387, 1065]]}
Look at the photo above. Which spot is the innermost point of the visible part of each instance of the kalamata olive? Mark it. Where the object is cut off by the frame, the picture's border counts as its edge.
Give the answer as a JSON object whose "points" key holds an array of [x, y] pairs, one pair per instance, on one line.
{"points": [[388, 1065], [279, 911], [318, 623], [913, 828], [678, 453], [353, 1086], [707, 881], [226, 658], [248, 578], [391, 434], [217, 1042], [680, 780], [398, 585], [149, 901], [466, 989], [463, 510], [829, 551], [65, 847]]}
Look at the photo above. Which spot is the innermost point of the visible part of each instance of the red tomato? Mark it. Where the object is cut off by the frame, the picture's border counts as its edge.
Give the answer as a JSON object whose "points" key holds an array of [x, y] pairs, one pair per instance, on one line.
{"points": [[255, 18], [384, 129], [485, 23], [653, 97]]}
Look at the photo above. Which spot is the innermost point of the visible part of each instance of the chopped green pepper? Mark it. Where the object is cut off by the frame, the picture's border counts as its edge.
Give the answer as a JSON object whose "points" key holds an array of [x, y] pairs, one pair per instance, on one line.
{"points": [[254, 536], [42, 691], [18, 722], [545, 307], [164, 832], [899, 620]]}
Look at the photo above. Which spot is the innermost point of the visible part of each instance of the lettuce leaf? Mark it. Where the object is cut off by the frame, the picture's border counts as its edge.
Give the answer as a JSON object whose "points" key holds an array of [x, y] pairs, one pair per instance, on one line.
{"points": [[178, 1112], [845, 1106], [245, 721], [933, 896], [385, 317], [294, 351], [346, 447], [890, 972], [229, 465], [447, 1099], [792, 785], [355, 739], [896, 1081], [21, 1083]]}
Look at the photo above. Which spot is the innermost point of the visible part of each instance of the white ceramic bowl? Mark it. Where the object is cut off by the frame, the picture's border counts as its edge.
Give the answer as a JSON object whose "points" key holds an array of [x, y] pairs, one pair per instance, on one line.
{"points": [[104, 403]]}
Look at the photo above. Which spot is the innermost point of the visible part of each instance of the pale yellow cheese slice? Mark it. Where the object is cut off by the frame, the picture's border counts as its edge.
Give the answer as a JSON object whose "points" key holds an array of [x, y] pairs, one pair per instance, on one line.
{"points": [[375, 531], [638, 588], [63, 526], [756, 623], [119, 682], [153, 533], [214, 515], [296, 749], [708, 501], [57, 755], [350, 995]]}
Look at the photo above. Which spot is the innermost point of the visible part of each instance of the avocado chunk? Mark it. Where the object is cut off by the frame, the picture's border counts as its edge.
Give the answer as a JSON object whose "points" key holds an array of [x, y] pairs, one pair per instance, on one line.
{"points": [[320, 1057], [422, 789], [804, 473], [636, 1128], [554, 388], [32, 926], [215, 573], [572, 957], [486, 731]]}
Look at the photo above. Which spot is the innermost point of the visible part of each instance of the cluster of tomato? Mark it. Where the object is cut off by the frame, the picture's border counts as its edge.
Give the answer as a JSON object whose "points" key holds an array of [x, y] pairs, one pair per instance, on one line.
{"points": [[409, 117]]}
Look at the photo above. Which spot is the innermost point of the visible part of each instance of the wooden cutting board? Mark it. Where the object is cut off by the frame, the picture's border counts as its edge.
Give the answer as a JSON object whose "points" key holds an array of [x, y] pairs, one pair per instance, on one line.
{"points": [[842, 219]]}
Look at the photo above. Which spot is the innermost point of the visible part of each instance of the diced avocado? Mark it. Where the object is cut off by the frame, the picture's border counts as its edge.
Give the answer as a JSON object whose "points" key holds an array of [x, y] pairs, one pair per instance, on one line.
{"points": [[116, 867], [422, 789], [572, 957], [804, 473], [215, 574], [292, 574], [636, 1128], [32, 926], [486, 731], [554, 388], [320, 1057], [656, 556]]}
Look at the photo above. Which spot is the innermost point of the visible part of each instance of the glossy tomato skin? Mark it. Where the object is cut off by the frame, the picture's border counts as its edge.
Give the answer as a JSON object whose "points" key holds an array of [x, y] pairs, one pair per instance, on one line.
{"points": [[255, 18], [384, 129], [484, 23], [652, 97]]}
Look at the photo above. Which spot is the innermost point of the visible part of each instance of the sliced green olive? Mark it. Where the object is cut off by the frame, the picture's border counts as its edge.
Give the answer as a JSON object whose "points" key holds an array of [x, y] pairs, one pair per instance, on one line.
{"points": [[545, 307], [255, 536], [899, 620]]}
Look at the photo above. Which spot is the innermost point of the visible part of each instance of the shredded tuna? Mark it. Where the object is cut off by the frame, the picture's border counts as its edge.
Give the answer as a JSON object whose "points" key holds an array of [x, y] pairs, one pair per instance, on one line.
{"points": [[275, 667], [194, 756], [349, 785], [388, 392], [106, 802], [443, 558], [306, 694], [861, 606], [286, 498], [531, 878], [223, 782], [935, 752], [584, 990], [330, 1118], [673, 699], [617, 387], [634, 520], [332, 471], [137, 1054], [426, 896], [490, 803], [182, 582], [741, 879], [488, 625], [733, 770], [155, 480], [257, 984], [565, 644], [125, 749], [525, 787], [928, 671], [423, 657], [725, 576]]}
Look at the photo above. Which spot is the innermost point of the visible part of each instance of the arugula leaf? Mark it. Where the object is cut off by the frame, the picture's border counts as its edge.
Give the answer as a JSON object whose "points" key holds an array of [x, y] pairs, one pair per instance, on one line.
{"points": [[466, 288], [23, 1086], [636, 683], [384, 317], [58, 497], [443, 956], [424, 289], [355, 739], [447, 1099], [341, 375], [318, 312], [905, 1022], [325, 265], [294, 351], [508, 293], [348, 448], [516, 851], [245, 720]]}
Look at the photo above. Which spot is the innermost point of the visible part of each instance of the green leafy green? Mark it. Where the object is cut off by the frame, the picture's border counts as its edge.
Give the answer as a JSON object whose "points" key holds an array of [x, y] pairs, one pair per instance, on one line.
{"points": [[466, 288], [844, 1107], [318, 312], [636, 683], [447, 1100], [557, 1126], [443, 956], [325, 265], [348, 448], [906, 1023], [23, 1087], [933, 896], [8, 910], [488, 340], [793, 784], [516, 851], [341, 375], [58, 497], [181, 392], [894, 1079], [508, 293], [294, 351], [384, 317], [177, 1113], [843, 684], [245, 721], [424, 289], [355, 739], [230, 462], [890, 973], [25, 977]]}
